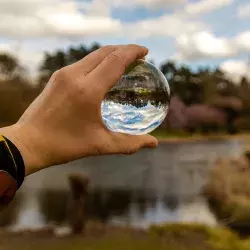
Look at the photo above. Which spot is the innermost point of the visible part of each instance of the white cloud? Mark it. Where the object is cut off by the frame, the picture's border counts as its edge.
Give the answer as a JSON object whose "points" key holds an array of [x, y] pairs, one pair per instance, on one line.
{"points": [[235, 69], [151, 4], [103, 7], [203, 45], [34, 18], [96, 7], [243, 11], [5, 48], [46, 18], [242, 41], [25, 19], [205, 6], [168, 25]]}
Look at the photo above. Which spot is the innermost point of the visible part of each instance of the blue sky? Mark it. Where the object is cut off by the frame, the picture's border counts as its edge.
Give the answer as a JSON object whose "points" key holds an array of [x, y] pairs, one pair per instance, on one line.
{"points": [[211, 33]]}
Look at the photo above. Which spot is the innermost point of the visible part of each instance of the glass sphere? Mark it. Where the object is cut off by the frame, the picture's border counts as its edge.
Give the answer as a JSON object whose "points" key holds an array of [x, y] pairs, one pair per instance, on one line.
{"points": [[139, 102]]}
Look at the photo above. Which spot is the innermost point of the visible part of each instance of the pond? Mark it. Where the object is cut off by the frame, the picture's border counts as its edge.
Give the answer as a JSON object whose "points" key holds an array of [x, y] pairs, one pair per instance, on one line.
{"points": [[150, 187]]}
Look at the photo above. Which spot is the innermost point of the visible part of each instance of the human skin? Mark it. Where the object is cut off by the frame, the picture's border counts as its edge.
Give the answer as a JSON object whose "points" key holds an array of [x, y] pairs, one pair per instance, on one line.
{"points": [[64, 122]]}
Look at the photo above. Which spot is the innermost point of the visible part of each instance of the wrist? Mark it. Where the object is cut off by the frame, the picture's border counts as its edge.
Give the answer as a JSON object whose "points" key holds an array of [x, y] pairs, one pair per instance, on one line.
{"points": [[23, 139]]}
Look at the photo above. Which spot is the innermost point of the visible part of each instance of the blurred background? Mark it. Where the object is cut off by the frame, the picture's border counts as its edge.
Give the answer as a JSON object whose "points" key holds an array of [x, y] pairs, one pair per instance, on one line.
{"points": [[192, 191]]}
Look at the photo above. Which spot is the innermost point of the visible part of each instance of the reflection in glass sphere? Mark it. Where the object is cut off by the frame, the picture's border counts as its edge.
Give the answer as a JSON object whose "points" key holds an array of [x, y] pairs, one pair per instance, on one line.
{"points": [[139, 102]]}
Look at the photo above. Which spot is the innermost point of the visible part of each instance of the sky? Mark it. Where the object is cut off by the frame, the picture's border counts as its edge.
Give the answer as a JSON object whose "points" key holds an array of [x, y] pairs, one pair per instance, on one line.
{"points": [[211, 33]]}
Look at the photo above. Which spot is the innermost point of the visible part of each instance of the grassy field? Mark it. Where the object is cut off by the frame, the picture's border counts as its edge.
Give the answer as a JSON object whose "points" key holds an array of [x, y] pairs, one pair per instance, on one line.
{"points": [[228, 192], [182, 136], [170, 237]]}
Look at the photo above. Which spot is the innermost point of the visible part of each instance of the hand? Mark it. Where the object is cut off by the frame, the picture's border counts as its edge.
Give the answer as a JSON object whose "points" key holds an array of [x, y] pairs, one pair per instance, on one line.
{"points": [[64, 123]]}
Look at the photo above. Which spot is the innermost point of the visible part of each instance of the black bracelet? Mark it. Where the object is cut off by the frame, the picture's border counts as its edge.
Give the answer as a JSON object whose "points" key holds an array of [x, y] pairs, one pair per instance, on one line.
{"points": [[11, 160]]}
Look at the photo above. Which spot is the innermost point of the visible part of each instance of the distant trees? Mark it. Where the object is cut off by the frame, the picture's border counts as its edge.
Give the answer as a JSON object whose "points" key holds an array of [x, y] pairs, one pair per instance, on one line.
{"points": [[16, 92], [212, 89], [183, 82], [201, 86], [10, 67], [59, 59]]}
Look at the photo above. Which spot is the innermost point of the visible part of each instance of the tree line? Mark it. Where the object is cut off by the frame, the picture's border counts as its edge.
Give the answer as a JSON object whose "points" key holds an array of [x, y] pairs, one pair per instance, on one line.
{"points": [[193, 87]]}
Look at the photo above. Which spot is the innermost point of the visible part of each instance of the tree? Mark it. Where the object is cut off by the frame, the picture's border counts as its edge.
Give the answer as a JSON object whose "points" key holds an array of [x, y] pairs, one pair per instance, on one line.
{"points": [[9, 66], [183, 82]]}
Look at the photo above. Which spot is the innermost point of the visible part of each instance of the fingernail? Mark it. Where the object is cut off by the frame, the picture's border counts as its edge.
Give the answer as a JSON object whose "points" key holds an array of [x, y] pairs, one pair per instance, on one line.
{"points": [[144, 47], [151, 145]]}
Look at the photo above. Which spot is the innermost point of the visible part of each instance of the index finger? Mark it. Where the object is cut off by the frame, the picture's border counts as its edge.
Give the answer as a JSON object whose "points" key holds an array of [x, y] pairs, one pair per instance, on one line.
{"points": [[92, 60], [111, 69]]}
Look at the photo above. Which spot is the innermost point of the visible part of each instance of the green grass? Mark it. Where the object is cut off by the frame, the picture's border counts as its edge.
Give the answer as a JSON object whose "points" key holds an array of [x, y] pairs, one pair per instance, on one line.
{"points": [[228, 193], [77, 243], [207, 237], [163, 134], [170, 237]]}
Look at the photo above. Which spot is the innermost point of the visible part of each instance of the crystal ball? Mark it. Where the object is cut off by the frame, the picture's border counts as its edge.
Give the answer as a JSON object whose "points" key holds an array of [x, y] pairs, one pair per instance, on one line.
{"points": [[139, 102]]}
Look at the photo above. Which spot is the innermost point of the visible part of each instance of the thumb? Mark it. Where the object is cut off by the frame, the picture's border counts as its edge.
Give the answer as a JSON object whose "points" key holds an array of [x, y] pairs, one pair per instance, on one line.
{"points": [[130, 144]]}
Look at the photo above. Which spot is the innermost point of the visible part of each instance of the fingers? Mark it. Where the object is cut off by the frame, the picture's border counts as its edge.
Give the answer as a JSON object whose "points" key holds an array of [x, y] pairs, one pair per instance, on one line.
{"points": [[110, 70], [130, 144], [91, 61]]}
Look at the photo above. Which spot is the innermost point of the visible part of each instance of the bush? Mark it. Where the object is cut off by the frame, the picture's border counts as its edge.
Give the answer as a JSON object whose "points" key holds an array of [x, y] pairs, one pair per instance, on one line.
{"points": [[228, 193]]}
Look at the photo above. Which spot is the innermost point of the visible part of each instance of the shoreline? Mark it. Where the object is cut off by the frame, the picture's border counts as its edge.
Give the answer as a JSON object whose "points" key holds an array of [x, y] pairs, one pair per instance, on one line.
{"points": [[201, 138], [167, 236]]}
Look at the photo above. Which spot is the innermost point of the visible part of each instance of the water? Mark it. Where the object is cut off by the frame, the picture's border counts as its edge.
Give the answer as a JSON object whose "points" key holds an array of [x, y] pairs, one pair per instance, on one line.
{"points": [[31, 214], [138, 104], [152, 186]]}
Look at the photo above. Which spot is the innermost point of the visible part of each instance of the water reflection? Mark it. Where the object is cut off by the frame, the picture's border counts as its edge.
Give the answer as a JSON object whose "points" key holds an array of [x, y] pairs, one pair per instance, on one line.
{"points": [[30, 214]]}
